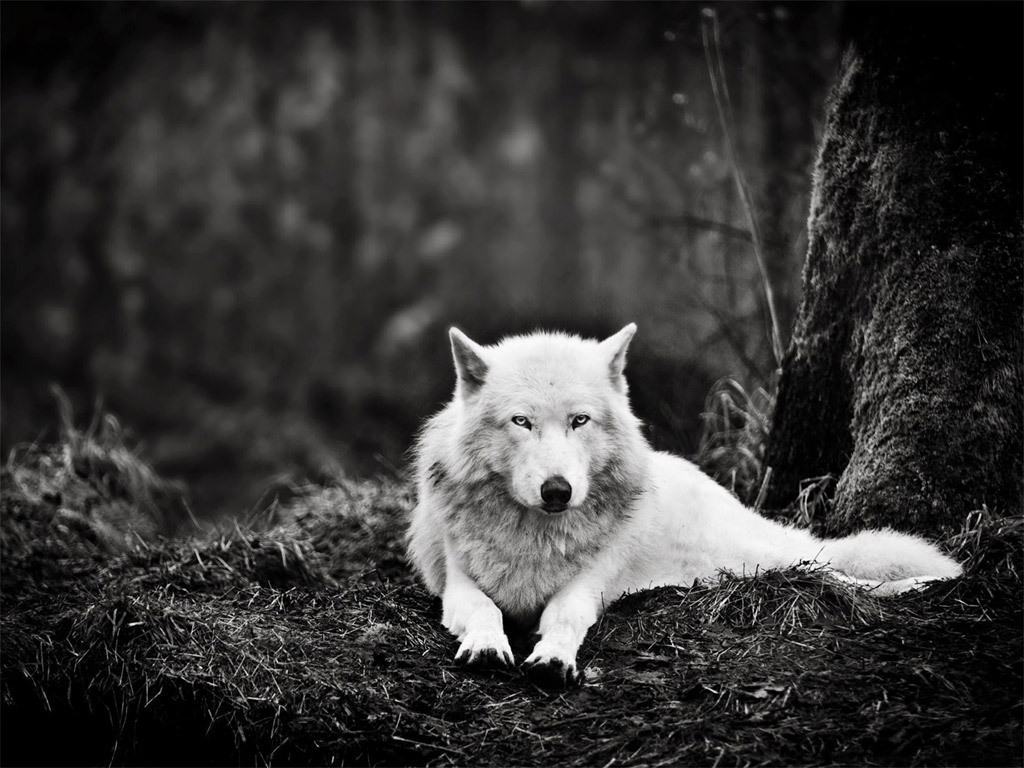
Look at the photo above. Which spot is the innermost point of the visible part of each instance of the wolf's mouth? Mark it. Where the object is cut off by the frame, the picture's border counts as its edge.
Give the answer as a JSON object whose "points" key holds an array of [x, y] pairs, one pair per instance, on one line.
{"points": [[554, 507]]}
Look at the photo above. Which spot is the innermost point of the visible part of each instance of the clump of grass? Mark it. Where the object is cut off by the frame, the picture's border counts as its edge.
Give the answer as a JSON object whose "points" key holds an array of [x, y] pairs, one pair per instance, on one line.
{"points": [[784, 600], [82, 500], [813, 504], [990, 543], [733, 438], [101, 455]]}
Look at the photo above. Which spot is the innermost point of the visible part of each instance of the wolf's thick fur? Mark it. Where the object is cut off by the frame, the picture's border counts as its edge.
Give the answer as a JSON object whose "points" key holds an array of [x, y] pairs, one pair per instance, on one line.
{"points": [[539, 498]]}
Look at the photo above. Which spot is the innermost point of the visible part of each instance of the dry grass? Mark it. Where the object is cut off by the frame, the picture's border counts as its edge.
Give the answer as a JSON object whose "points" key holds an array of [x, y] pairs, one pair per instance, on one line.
{"points": [[734, 433], [301, 638], [73, 504]]}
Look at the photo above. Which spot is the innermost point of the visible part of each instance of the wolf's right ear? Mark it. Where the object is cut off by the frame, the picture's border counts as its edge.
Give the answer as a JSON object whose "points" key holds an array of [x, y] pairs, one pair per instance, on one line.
{"points": [[470, 366]]}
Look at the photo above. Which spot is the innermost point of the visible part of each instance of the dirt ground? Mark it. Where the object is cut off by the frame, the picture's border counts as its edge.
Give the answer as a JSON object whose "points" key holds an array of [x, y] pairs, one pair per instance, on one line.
{"points": [[302, 638]]}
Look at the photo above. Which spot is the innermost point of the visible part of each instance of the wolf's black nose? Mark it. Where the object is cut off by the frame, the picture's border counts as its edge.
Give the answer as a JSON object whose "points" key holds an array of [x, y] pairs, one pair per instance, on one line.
{"points": [[555, 492]]}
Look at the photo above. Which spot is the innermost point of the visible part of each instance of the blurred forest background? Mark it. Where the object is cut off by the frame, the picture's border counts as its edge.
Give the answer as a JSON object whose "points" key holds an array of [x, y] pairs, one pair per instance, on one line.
{"points": [[246, 227]]}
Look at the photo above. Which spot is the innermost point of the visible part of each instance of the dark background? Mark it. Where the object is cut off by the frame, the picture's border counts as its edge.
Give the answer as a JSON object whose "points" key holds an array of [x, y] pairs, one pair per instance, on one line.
{"points": [[245, 228]]}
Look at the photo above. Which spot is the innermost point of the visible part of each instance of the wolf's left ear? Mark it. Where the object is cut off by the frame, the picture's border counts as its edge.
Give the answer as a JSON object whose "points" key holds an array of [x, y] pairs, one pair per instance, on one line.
{"points": [[470, 365], [614, 348]]}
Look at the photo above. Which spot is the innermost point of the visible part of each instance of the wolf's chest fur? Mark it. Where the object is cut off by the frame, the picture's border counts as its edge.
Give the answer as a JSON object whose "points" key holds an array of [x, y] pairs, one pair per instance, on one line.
{"points": [[520, 557]]}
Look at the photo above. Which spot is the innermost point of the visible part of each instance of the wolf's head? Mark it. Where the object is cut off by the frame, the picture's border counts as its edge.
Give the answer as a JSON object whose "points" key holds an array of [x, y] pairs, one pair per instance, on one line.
{"points": [[549, 414]]}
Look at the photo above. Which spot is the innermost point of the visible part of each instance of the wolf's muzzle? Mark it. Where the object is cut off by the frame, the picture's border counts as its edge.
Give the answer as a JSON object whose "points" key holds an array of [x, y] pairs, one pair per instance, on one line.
{"points": [[555, 492]]}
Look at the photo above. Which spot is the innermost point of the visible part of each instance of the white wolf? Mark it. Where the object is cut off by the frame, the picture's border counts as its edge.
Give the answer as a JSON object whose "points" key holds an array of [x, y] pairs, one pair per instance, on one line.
{"points": [[540, 498]]}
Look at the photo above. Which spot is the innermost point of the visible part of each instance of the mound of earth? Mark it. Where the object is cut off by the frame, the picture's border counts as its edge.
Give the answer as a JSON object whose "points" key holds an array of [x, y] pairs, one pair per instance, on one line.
{"points": [[302, 638]]}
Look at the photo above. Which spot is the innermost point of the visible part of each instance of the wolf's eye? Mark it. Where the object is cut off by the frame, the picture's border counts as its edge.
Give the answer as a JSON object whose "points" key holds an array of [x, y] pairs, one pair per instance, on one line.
{"points": [[579, 420], [522, 421]]}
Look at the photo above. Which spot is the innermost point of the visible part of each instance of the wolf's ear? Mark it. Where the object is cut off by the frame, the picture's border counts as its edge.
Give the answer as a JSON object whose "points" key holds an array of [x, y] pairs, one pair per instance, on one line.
{"points": [[469, 360], [614, 348]]}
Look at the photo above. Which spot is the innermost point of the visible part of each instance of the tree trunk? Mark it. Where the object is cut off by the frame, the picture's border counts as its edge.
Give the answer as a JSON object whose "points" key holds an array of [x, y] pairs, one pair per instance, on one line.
{"points": [[904, 376]]}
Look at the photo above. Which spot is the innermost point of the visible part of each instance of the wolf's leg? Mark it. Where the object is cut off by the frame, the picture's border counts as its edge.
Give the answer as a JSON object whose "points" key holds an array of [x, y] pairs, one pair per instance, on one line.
{"points": [[473, 617], [563, 625], [425, 542]]}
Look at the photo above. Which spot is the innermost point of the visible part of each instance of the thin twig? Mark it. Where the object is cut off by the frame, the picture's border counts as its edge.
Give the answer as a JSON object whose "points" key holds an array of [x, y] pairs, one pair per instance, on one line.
{"points": [[735, 341], [698, 222], [723, 104]]}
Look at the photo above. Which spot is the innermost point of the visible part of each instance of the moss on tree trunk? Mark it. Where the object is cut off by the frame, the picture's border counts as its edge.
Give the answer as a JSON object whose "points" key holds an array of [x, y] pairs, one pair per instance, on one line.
{"points": [[903, 379]]}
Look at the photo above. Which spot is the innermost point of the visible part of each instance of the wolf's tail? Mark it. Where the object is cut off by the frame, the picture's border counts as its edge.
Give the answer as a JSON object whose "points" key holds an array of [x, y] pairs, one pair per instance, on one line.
{"points": [[888, 560]]}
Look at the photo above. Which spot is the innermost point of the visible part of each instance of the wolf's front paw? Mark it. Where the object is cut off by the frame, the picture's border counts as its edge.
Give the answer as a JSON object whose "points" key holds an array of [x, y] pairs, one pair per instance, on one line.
{"points": [[551, 671], [485, 650]]}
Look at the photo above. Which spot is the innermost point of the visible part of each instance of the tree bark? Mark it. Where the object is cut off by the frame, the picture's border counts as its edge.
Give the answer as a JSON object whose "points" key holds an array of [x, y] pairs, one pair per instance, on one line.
{"points": [[904, 376]]}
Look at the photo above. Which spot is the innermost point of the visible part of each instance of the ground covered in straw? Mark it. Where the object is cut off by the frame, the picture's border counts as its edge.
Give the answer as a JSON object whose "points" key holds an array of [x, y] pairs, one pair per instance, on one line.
{"points": [[301, 638]]}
